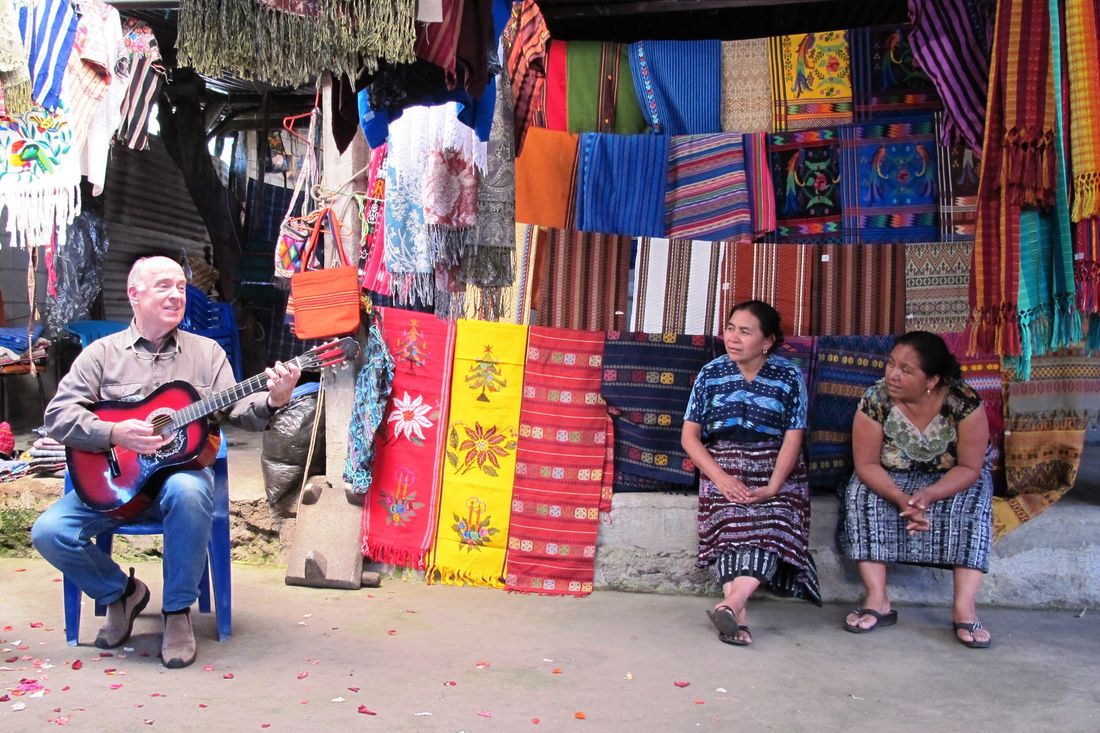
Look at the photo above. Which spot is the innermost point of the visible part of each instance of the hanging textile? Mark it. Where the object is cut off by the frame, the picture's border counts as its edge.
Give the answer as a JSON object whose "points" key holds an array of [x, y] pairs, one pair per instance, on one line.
{"points": [[555, 105], [559, 465], [758, 177], [779, 274], [492, 265], [526, 42], [994, 281], [582, 280], [746, 86], [146, 81], [527, 244], [802, 350], [805, 168], [15, 76], [399, 515], [376, 277], [294, 40], [958, 188], [1086, 270], [621, 183], [949, 45], [48, 29], [858, 289], [88, 74], [438, 42], [811, 80], [983, 373], [886, 81], [1044, 438], [845, 367], [476, 498], [937, 284], [39, 176], [599, 90], [545, 178], [888, 178], [408, 256], [707, 195], [107, 115], [647, 379], [372, 390], [1083, 52], [676, 285], [679, 85]]}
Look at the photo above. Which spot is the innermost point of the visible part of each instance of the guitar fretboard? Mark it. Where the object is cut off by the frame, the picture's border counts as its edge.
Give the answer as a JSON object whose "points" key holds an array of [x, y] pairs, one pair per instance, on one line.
{"points": [[223, 399]]}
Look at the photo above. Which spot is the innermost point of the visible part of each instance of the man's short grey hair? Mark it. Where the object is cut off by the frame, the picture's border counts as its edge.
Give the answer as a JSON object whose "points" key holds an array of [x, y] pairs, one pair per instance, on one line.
{"points": [[139, 273]]}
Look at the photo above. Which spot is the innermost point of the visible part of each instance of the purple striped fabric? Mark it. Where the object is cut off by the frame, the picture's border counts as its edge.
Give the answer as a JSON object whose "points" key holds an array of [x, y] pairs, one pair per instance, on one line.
{"points": [[758, 176], [621, 182], [946, 42], [707, 196]]}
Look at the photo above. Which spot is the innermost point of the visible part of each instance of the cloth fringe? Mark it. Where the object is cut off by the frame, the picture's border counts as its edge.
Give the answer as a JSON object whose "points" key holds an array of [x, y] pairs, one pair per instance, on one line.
{"points": [[489, 267], [450, 576], [17, 98], [449, 246], [1066, 329], [1035, 330], [34, 215], [399, 556], [994, 329], [1086, 196], [1029, 165], [410, 287], [450, 305], [489, 304], [255, 41]]}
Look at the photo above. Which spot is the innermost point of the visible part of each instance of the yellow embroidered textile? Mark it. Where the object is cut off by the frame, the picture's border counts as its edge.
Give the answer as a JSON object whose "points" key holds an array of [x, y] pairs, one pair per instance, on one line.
{"points": [[479, 470], [811, 80]]}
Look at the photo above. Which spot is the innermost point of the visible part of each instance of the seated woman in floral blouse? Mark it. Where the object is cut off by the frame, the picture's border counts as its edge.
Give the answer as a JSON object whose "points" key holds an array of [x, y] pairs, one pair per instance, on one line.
{"points": [[922, 491]]}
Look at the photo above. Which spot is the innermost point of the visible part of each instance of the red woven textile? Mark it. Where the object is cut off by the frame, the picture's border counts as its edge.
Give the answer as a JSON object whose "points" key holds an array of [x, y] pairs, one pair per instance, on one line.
{"points": [[779, 274], [559, 465], [399, 516]]}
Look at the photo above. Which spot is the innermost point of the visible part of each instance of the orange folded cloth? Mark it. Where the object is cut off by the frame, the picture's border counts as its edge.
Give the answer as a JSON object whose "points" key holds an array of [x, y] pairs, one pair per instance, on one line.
{"points": [[545, 178]]}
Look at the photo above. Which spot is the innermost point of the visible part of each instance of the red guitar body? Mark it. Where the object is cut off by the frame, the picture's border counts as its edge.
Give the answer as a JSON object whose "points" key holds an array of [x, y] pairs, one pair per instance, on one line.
{"points": [[123, 483]]}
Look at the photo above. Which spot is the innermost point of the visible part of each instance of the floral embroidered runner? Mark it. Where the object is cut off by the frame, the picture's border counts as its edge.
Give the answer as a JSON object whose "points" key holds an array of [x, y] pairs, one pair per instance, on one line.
{"points": [[479, 470], [399, 514], [559, 465]]}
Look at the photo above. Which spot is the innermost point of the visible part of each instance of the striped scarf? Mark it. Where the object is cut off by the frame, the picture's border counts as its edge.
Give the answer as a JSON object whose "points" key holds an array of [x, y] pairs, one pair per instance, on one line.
{"points": [[947, 45], [1083, 51], [526, 44], [994, 282], [779, 274], [858, 289], [679, 85], [676, 286], [758, 176], [581, 280], [621, 183], [707, 196], [48, 28]]}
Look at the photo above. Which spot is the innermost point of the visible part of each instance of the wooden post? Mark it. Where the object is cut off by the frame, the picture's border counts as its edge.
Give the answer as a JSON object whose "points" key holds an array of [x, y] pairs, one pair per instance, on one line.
{"points": [[340, 383]]}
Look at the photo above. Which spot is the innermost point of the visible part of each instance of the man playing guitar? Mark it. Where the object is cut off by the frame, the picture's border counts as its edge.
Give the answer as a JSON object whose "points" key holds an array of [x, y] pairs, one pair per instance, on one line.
{"points": [[128, 366]]}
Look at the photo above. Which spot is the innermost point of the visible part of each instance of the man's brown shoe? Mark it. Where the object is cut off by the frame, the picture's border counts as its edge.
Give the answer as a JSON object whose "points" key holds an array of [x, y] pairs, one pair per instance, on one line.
{"points": [[178, 647], [121, 615]]}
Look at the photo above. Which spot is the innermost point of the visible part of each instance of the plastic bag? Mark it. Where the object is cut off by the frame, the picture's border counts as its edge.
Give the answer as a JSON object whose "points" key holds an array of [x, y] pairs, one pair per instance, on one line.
{"points": [[286, 446], [78, 263]]}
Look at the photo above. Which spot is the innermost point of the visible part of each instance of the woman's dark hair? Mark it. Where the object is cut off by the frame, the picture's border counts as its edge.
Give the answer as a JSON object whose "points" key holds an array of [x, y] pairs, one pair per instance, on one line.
{"points": [[766, 315], [936, 360]]}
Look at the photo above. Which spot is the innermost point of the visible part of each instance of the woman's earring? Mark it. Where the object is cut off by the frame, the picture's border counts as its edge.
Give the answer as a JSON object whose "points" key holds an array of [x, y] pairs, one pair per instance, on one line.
{"points": [[928, 390]]}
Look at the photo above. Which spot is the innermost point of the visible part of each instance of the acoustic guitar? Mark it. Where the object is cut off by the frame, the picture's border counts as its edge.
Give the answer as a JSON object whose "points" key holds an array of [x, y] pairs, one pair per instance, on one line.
{"points": [[123, 483]]}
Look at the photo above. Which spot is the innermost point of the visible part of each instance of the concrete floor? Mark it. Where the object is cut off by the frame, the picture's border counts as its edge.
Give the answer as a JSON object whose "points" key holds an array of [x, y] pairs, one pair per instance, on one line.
{"points": [[440, 658]]}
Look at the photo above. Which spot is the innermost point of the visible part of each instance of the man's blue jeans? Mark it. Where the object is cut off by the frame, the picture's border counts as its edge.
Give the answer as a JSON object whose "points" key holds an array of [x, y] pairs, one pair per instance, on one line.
{"points": [[185, 506]]}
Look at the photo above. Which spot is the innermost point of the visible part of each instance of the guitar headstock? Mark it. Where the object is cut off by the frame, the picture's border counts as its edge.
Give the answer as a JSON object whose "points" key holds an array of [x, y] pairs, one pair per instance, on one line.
{"points": [[330, 354]]}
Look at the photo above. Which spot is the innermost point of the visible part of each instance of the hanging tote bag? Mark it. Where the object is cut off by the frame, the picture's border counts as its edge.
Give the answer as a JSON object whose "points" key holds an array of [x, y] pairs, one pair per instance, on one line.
{"points": [[325, 301]]}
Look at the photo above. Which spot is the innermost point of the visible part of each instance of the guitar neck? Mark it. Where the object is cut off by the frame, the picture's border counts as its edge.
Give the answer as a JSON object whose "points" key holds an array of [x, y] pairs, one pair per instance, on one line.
{"points": [[223, 399]]}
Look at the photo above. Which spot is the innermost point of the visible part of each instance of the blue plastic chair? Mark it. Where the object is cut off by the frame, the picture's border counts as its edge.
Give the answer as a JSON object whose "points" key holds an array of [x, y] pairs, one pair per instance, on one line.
{"points": [[218, 568], [89, 331], [205, 317]]}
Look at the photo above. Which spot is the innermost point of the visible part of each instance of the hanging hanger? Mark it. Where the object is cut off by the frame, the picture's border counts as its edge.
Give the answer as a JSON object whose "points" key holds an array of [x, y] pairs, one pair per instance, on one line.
{"points": [[288, 122]]}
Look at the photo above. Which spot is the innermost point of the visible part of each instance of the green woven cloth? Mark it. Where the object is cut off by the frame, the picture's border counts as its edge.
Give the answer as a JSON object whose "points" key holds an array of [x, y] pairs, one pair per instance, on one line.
{"points": [[594, 70], [254, 40]]}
